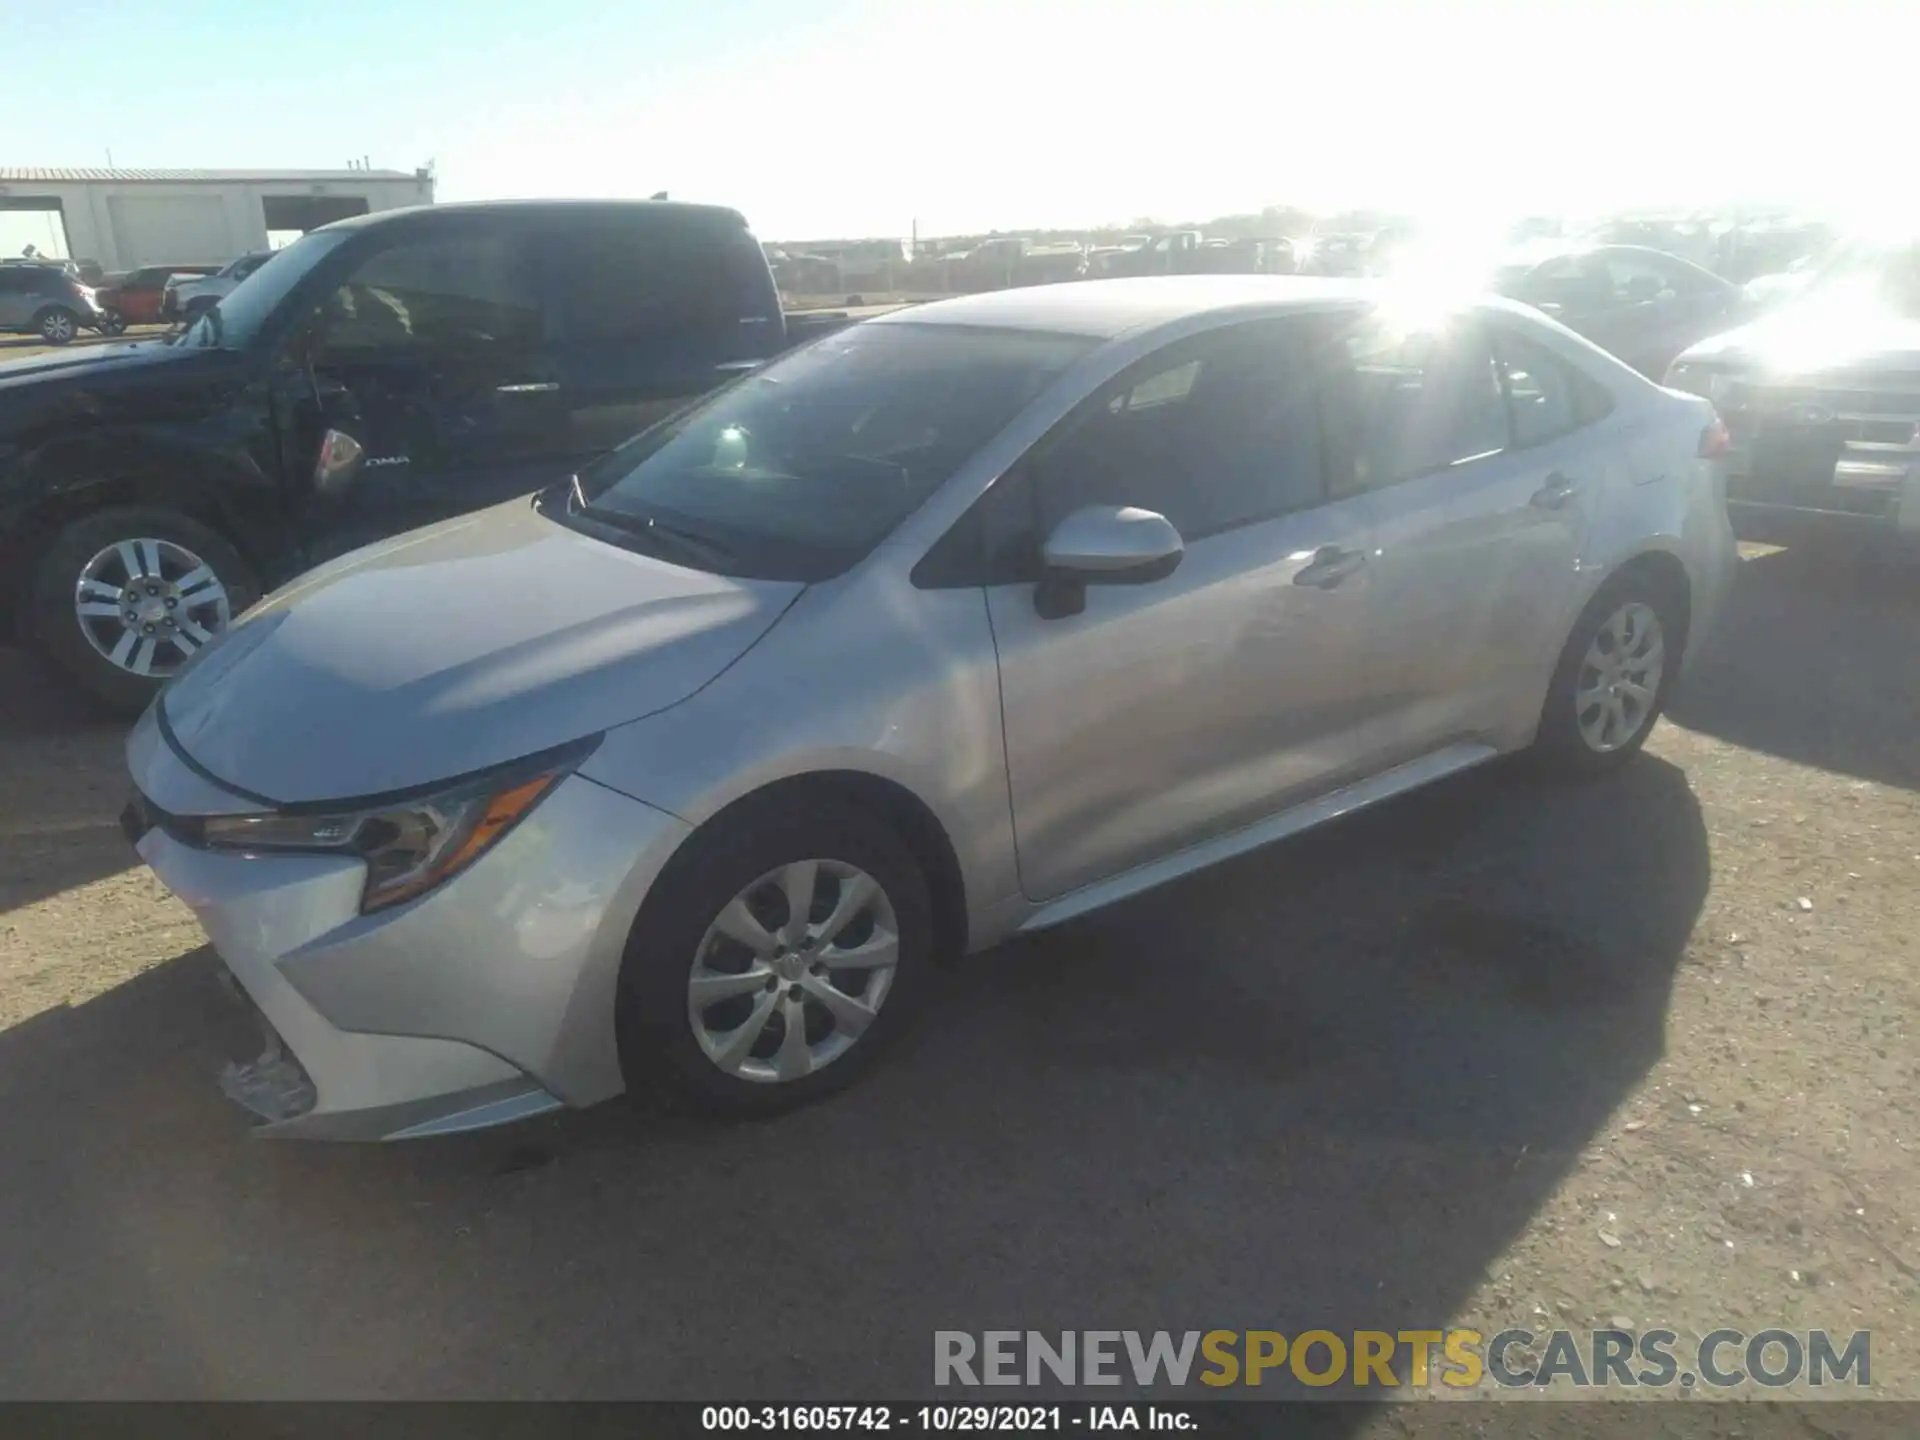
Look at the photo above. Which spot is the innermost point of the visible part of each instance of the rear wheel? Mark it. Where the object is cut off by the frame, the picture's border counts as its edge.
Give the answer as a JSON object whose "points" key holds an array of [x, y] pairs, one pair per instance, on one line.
{"points": [[113, 323], [1613, 677], [124, 596], [780, 954], [57, 325]]}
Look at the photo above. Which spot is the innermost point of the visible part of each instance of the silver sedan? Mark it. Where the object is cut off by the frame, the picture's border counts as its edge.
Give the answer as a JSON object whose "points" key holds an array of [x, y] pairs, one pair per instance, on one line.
{"points": [[956, 624]]}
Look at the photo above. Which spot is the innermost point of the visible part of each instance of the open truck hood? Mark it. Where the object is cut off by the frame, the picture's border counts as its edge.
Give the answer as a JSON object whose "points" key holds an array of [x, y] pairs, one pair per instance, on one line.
{"points": [[452, 649]]}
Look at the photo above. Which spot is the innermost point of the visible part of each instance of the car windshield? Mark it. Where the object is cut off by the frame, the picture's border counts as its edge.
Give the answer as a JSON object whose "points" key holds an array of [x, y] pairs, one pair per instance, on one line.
{"points": [[232, 324], [798, 471]]}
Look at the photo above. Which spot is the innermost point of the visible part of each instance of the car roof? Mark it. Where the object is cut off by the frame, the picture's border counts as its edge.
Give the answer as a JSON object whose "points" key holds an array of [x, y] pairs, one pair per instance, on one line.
{"points": [[1104, 309], [533, 209]]}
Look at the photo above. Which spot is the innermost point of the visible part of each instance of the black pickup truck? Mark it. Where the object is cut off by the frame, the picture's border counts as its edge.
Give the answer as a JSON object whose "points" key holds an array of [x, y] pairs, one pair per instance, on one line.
{"points": [[379, 374]]}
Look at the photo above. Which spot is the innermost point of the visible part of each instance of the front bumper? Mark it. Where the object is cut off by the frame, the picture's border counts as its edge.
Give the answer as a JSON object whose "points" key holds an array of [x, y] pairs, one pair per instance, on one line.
{"points": [[487, 999]]}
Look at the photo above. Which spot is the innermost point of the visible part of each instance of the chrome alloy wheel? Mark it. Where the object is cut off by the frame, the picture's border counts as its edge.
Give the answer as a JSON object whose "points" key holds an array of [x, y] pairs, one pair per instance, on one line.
{"points": [[146, 605], [1620, 677], [57, 327], [793, 971]]}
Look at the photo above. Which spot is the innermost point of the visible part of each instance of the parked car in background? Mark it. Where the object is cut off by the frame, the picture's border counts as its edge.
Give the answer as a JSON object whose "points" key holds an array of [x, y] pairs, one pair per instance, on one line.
{"points": [[1643, 305], [1822, 399], [45, 300], [137, 299], [381, 373], [685, 772], [186, 295]]}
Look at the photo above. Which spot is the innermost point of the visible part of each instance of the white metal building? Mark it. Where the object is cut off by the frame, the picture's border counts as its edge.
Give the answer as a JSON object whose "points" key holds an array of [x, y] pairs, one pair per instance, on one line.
{"points": [[128, 218]]}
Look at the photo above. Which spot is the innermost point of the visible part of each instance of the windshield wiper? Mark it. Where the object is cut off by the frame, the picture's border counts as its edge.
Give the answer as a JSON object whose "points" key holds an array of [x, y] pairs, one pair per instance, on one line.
{"points": [[663, 533]]}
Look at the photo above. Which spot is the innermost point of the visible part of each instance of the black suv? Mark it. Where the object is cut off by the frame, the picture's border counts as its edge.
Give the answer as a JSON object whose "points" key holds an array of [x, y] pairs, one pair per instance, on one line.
{"points": [[384, 372]]}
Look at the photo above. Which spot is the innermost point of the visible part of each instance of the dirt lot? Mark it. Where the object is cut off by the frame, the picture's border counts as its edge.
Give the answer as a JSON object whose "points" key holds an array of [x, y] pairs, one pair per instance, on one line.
{"points": [[1496, 1054]]}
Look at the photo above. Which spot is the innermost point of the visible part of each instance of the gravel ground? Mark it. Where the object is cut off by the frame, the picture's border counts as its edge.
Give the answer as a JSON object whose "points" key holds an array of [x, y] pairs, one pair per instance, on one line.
{"points": [[1498, 1054]]}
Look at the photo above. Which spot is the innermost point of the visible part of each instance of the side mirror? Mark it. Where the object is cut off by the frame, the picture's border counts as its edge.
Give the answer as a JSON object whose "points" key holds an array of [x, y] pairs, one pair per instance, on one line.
{"points": [[338, 463], [1104, 545]]}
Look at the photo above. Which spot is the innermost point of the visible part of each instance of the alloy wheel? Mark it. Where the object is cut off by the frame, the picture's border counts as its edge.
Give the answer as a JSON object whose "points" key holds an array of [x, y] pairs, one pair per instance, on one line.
{"points": [[146, 605], [793, 971], [1619, 680], [57, 327]]}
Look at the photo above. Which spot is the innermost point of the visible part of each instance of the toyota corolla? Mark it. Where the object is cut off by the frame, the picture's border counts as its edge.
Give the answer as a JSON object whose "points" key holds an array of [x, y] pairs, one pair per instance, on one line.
{"points": [[959, 623]]}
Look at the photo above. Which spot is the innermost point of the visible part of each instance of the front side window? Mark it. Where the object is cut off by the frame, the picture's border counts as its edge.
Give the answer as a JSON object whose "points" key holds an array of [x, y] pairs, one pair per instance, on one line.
{"points": [[1212, 433], [798, 471], [1405, 404], [442, 293], [240, 316]]}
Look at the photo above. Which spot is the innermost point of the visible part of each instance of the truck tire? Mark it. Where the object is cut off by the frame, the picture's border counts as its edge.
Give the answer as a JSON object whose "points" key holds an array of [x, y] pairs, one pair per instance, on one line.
{"points": [[123, 596]]}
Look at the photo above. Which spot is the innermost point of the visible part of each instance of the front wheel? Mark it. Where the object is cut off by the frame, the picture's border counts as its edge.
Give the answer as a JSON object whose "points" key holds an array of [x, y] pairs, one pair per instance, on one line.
{"points": [[1613, 677], [113, 323], [778, 955], [57, 326], [124, 596]]}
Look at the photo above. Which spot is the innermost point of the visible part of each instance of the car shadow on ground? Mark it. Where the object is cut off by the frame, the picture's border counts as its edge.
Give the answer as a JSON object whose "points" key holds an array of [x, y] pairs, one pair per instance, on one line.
{"points": [[1817, 661], [61, 787], [1325, 1085]]}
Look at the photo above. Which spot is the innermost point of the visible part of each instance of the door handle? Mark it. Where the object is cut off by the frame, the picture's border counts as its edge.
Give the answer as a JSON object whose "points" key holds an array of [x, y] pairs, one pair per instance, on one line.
{"points": [[1330, 565], [1555, 493], [531, 387]]}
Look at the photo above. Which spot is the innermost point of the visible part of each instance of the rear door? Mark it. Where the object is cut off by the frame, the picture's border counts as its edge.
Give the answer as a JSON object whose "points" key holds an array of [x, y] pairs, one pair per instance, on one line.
{"points": [[1462, 436], [650, 312], [433, 353]]}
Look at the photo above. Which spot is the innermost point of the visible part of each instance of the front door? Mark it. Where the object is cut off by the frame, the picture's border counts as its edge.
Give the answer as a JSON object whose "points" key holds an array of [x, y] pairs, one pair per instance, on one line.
{"points": [[1169, 712], [433, 354], [1481, 501]]}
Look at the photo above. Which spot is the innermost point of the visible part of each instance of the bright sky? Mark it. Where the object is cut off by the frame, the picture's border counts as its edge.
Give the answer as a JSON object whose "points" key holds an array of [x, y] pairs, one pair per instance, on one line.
{"points": [[846, 117]]}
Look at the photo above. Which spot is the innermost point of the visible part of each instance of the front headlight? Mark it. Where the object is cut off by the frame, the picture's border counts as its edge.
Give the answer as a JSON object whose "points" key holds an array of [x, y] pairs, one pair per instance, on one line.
{"points": [[410, 844]]}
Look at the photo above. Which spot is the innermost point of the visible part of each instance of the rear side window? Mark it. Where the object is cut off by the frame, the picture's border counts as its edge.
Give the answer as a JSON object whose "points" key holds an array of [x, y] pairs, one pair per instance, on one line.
{"points": [[633, 282], [1403, 404], [1546, 396], [11, 282]]}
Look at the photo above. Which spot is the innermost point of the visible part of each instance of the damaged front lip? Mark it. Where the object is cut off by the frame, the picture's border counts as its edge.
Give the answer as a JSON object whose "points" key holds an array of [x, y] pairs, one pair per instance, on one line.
{"points": [[273, 1086]]}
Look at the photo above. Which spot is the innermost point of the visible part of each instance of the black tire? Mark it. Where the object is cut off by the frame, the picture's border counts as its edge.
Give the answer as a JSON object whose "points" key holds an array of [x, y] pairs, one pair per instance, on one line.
{"points": [[113, 323], [57, 325], [659, 1053], [56, 628], [1560, 747]]}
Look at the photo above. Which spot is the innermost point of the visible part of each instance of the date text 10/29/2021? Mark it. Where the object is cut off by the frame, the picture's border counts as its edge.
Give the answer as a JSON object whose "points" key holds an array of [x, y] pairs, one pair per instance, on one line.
{"points": [[942, 1419]]}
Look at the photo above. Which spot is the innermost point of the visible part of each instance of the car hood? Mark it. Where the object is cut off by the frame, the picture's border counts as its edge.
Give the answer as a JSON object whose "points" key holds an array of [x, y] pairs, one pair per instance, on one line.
{"points": [[1817, 334], [91, 362], [452, 649]]}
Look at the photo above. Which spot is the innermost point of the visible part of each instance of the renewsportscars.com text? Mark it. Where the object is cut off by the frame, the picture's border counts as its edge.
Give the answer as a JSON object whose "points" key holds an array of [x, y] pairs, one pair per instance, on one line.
{"points": [[1458, 1358]]}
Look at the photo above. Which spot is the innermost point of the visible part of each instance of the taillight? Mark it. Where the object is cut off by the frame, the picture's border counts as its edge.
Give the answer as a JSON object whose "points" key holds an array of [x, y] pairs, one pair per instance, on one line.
{"points": [[1715, 440]]}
